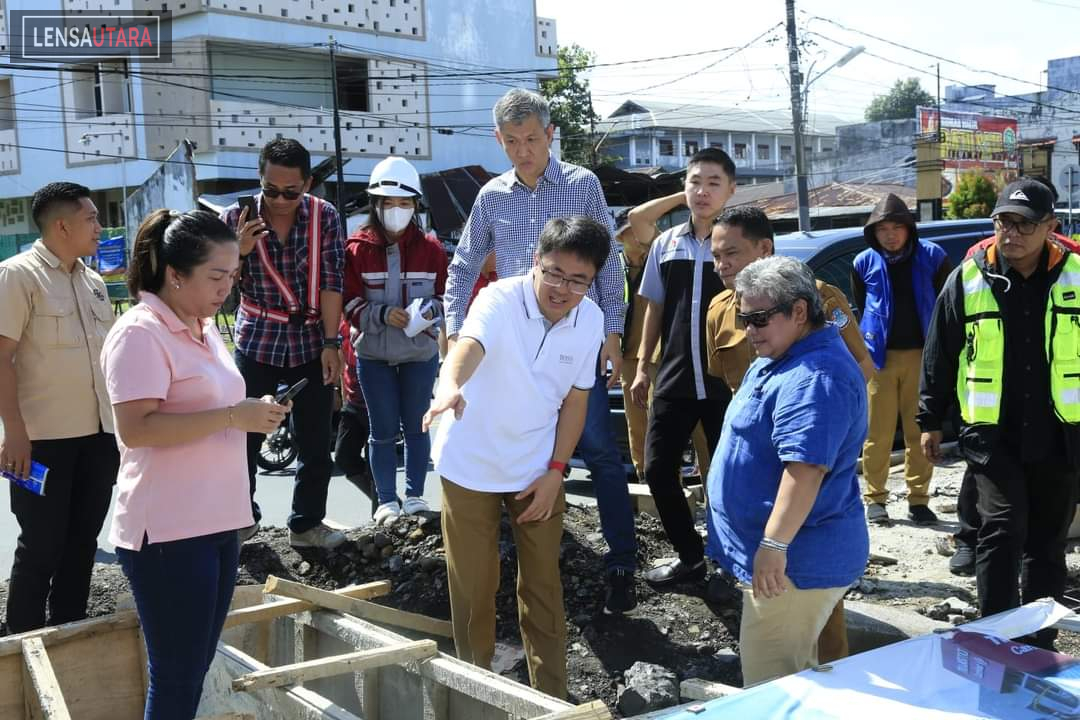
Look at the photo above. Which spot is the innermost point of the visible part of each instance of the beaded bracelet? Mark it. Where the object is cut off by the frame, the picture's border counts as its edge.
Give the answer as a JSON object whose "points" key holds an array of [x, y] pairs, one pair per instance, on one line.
{"points": [[773, 544]]}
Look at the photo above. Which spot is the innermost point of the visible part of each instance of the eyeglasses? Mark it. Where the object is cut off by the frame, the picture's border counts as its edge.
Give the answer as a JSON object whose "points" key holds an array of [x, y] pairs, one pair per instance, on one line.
{"points": [[1023, 227], [554, 278], [761, 318], [273, 192]]}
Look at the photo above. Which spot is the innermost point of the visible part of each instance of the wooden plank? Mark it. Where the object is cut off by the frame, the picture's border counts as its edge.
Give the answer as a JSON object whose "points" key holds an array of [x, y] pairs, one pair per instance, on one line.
{"points": [[46, 699], [481, 686], [359, 608], [596, 710], [280, 608], [99, 675], [698, 689], [12, 698], [337, 665], [50, 636]]}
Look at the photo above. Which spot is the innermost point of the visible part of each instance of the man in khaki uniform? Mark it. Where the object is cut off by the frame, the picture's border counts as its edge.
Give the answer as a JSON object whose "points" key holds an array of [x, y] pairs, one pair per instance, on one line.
{"points": [[54, 315], [740, 236]]}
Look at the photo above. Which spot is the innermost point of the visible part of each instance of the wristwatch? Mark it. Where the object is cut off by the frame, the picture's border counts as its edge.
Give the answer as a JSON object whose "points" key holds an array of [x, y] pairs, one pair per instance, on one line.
{"points": [[334, 342]]}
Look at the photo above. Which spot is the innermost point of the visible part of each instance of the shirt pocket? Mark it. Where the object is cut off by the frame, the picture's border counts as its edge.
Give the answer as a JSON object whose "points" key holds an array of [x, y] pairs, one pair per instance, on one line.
{"points": [[56, 323], [419, 288], [103, 319]]}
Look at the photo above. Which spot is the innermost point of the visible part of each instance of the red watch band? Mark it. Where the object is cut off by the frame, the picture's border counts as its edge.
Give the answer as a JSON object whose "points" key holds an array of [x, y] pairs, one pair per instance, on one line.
{"points": [[556, 465]]}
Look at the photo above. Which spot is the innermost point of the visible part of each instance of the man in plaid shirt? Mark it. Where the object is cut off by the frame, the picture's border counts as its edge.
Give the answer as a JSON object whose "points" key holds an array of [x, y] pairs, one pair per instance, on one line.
{"points": [[293, 254], [506, 219]]}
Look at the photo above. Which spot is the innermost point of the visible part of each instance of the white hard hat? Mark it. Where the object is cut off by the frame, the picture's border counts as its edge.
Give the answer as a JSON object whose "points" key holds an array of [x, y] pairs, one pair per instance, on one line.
{"points": [[394, 177]]}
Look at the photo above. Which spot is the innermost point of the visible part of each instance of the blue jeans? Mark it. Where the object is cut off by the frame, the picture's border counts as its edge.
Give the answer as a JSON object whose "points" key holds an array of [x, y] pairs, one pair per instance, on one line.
{"points": [[597, 448], [397, 397], [182, 593]]}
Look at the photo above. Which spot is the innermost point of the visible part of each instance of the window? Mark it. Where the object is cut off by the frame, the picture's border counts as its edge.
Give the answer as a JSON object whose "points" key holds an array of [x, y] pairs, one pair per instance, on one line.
{"points": [[837, 272], [7, 109], [762, 152], [786, 153], [352, 83], [101, 89], [740, 151], [667, 147], [690, 147]]}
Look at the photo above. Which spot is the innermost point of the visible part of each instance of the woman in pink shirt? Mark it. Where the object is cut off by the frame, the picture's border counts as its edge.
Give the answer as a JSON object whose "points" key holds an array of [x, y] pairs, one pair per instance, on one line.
{"points": [[182, 422]]}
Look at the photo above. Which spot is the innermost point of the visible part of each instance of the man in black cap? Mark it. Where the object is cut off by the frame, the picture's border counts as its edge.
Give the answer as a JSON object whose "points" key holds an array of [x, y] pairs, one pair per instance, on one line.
{"points": [[1004, 343]]}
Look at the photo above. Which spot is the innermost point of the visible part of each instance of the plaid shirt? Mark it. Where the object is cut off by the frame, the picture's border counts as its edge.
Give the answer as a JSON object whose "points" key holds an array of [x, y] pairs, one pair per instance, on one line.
{"points": [[508, 216], [275, 343]]}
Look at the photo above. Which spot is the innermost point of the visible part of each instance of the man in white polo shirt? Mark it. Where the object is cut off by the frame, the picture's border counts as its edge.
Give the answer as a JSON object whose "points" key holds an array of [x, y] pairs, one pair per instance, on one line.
{"points": [[518, 381]]}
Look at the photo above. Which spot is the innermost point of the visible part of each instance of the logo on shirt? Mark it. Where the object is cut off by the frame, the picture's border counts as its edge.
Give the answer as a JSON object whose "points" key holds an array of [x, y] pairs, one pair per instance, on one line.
{"points": [[566, 359], [99, 295], [839, 319]]}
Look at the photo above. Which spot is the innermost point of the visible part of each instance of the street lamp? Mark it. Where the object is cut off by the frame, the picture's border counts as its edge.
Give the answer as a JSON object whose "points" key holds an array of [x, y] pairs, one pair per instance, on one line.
{"points": [[85, 140]]}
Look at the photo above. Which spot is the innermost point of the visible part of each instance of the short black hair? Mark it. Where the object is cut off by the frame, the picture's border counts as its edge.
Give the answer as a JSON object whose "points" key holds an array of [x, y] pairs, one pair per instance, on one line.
{"points": [[752, 221], [287, 153], [55, 196], [576, 234], [714, 155]]}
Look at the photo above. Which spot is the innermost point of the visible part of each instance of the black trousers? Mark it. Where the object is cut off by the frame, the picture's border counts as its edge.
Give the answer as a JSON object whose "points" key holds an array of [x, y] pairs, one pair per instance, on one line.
{"points": [[349, 452], [1026, 510], [58, 530], [671, 422], [311, 419], [967, 510]]}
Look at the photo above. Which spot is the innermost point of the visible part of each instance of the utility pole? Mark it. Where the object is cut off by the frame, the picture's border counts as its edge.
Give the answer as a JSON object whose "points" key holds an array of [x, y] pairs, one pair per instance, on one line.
{"points": [[340, 199], [801, 188], [1070, 170], [939, 96]]}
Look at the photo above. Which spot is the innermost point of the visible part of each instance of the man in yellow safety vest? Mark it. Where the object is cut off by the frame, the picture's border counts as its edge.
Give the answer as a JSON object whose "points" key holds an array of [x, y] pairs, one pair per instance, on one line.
{"points": [[1004, 343]]}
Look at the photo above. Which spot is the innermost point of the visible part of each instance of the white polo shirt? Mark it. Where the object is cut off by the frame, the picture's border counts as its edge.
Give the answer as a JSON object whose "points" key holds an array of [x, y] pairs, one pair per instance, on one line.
{"points": [[505, 437]]}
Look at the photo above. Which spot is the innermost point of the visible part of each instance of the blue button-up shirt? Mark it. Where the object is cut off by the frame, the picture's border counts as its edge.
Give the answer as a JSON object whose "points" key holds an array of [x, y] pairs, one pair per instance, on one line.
{"points": [[507, 218], [808, 406]]}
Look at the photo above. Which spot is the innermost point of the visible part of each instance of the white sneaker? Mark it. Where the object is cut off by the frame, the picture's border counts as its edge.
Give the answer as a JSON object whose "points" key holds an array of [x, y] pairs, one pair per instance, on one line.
{"points": [[415, 506], [387, 513], [319, 536]]}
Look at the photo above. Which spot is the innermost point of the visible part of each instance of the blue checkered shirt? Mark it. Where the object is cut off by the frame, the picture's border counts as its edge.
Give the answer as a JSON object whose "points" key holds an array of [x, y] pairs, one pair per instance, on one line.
{"points": [[275, 343], [507, 218]]}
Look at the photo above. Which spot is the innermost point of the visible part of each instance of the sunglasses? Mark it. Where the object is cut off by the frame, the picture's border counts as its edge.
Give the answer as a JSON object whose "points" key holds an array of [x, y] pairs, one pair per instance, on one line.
{"points": [[273, 192], [761, 318]]}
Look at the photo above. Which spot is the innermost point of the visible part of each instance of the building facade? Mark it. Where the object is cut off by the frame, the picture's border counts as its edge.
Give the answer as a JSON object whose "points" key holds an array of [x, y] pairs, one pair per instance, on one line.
{"points": [[415, 78]]}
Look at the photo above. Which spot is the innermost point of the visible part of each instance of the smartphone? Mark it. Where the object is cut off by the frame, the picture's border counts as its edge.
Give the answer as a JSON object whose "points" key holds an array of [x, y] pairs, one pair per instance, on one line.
{"points": [[291, 392], [248, 201]]}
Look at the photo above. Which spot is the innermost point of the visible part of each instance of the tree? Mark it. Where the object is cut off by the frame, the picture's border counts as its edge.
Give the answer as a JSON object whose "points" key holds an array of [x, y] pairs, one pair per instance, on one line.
{"points": [[900, 102], [973, 197], [571, 104]]}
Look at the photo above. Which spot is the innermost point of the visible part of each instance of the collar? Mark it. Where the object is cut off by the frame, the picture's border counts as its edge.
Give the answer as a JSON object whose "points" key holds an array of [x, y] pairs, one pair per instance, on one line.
{"points": [[165, 313], [49, 257], [532, 305], [552, 173], [815, 340]]}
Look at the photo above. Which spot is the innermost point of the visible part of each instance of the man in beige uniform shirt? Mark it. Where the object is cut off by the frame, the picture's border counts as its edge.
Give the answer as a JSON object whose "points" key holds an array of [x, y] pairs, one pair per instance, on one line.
{"points": [[54, 315]]}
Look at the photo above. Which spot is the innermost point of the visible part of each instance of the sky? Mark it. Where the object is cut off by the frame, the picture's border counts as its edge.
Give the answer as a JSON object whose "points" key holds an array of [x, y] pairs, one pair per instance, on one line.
{"points": [[1014, 39]]}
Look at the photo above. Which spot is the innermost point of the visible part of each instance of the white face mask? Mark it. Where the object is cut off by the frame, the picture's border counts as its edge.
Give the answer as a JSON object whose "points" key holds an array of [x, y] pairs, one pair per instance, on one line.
{"points": [[395, 219]]}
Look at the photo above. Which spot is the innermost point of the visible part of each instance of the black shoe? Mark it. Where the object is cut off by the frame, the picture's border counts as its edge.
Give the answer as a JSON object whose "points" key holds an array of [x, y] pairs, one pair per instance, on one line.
{"points": [[877, 514], [721, 589], [674, 572], [963, 560], [620, 597], [922, 515]]}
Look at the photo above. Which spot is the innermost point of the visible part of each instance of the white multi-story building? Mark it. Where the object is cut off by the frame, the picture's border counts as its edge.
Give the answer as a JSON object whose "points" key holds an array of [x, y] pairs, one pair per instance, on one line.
{"points": [[415, 78]]}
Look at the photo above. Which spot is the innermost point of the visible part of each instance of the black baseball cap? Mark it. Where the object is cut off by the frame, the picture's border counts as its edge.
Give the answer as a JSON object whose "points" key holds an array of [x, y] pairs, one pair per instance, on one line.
{"points": [[1026, 197]]}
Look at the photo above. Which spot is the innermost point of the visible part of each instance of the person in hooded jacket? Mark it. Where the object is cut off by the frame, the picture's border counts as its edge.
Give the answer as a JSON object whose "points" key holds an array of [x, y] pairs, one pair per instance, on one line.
{"points": [[391, 265], [896, 281]]}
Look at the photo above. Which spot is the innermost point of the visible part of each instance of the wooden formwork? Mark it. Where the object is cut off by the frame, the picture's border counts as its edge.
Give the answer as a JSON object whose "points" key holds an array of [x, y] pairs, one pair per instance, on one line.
{"points": [[288, 651]]}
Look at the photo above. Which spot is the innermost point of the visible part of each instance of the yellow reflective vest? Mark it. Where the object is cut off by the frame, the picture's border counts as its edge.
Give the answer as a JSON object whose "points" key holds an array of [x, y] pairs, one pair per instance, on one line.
{"points": [[982, 360]]}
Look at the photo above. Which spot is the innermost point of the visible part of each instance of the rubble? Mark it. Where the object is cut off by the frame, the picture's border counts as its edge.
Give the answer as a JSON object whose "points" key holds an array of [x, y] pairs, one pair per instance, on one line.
{"points": [[648, 687]]}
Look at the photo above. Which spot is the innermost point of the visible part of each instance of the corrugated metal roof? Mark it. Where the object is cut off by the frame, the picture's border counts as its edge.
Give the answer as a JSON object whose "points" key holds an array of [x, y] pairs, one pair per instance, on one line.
{"points": [[854, 197], [633, 115]]}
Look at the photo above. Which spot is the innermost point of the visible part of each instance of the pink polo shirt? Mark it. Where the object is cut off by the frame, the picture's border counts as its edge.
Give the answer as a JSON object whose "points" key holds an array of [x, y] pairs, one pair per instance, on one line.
{"points": [[183, 491]]}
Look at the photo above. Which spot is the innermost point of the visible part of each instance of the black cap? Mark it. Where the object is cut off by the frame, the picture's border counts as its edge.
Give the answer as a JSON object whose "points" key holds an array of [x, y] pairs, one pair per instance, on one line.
{"points": [[1026, 197]]}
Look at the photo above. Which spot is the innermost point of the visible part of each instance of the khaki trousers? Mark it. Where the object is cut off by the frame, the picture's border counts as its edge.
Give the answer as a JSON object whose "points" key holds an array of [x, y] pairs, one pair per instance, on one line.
{"points": [[894, 390], [832, 644], [637, 420], [470, 528], [779, 636]]}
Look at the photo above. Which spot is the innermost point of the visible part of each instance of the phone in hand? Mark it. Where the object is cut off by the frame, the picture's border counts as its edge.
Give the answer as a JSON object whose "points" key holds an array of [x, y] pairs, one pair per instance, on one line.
{"points": [[248, 201], [291, 392]]}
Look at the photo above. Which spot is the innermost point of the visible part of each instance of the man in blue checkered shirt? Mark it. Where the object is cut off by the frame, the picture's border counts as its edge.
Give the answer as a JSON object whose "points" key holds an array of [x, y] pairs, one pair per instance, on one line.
{"points": [[506, 219]]}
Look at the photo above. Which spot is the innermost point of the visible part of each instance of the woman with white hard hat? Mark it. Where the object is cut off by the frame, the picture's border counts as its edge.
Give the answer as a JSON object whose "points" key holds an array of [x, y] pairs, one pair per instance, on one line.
{"points": [[395, 277]]}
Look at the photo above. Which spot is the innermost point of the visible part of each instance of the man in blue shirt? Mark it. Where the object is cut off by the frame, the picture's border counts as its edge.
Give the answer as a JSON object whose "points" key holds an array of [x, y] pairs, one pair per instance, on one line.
{"points": [[785, 513], [506, 219]]}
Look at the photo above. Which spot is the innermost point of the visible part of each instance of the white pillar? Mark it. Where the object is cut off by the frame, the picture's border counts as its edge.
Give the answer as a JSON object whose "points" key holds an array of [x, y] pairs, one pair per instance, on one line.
{"points": [[633, 151], [654, 151], [704, 139], [730, 147], [679, 148], [776, 151], [753, 150]]}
